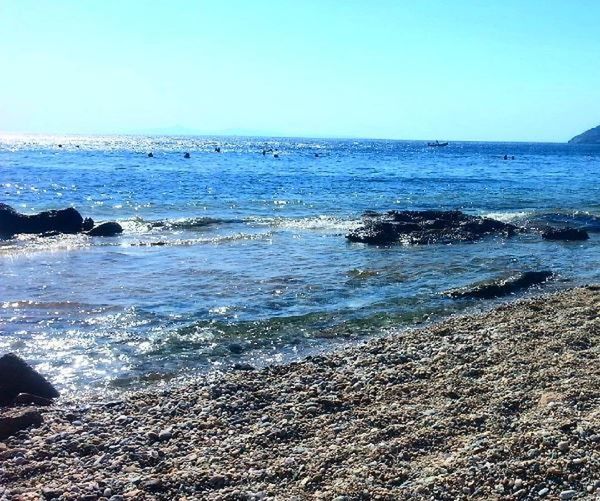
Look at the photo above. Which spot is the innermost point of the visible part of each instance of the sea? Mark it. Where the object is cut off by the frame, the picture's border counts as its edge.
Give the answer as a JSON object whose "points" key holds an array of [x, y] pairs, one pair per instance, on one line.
{"points": [[239, 257]]}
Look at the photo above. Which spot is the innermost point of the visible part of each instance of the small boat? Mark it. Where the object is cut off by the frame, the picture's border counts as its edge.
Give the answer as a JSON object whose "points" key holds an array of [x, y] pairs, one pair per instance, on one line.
{"points": [[437, 144]]}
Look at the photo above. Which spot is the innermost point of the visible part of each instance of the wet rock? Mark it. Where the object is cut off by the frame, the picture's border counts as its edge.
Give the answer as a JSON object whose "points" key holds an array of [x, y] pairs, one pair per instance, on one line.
{"points": [[62, 221], [236, 348], [568, 494], [16, 376], [565, 234], [88, 224], [426, 227], [488, 290], [29, 399], [243, 367], [15, 420], [106, 230]]}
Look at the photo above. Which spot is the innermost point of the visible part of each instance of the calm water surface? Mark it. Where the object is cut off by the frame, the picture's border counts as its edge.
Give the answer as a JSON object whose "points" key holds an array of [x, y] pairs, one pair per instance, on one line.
{"points": [[240, 256]]}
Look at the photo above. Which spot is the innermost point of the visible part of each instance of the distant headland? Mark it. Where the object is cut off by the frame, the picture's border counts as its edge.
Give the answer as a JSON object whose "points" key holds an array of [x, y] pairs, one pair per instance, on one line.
{"points": [[591, 136]]}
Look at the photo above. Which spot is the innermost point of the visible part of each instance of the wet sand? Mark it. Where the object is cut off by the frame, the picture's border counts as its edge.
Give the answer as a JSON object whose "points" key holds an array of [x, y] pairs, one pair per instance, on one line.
{"points": [[500, 405]]}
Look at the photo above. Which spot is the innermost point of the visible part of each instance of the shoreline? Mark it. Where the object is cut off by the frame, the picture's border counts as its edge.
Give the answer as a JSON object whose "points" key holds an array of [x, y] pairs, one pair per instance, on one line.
{"points": [[499, 404]]}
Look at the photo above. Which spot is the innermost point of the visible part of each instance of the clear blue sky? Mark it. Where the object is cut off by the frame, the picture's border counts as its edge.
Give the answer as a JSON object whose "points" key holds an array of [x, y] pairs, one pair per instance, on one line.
{"points": [[480, 70]]}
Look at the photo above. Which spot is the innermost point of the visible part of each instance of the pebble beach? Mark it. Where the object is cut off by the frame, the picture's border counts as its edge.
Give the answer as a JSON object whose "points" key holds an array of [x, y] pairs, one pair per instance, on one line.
{"points": [[498, 405]]}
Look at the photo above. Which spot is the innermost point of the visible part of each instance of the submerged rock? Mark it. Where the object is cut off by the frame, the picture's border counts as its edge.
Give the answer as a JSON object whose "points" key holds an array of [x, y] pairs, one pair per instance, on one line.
{"points": [[426, 227], [566, 234], [16, 376], [15, 420], [488, 290], [106, 230]]}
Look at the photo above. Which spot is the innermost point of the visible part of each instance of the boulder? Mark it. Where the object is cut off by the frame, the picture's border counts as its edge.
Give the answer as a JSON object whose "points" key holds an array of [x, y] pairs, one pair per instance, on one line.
{"points": [[565, 234], [106, 230], [16, 376], [61, 221], [426, 227], [498, 288], [15, 420]]}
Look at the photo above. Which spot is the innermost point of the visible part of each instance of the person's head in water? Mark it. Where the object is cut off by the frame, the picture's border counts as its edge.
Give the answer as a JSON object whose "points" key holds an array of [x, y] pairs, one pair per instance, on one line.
{"points": [[186, 155], [150, 154], [505, 157]]}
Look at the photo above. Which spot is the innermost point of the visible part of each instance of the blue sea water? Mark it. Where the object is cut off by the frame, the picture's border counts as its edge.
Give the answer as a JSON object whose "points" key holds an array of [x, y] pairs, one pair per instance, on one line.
{"points": [[239, 256]]}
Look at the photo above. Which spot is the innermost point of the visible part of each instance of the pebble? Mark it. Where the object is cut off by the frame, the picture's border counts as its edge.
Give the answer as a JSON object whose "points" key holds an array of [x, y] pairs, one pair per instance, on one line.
{"points": [[165, 435], [568, 494]]}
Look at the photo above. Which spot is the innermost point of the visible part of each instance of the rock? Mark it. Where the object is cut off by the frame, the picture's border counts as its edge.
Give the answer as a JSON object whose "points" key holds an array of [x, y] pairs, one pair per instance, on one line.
{"points": [[51, 492], [426, 227], [563, 446], [236, 348], [28, 398], [106, 230], [568, 494], [565, 234], [15, 420], [488, 290], [61, 221], [18, 377], [88, 224], [165, 435], [243, 367]]}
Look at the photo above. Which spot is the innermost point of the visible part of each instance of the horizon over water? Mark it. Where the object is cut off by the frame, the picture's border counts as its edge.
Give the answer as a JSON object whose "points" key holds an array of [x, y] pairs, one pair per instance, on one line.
{"points": [[241, 257]]}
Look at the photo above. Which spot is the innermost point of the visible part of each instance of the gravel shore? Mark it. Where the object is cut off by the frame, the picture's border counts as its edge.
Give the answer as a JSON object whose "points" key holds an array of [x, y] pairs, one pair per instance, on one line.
{"points": [[501, 405]]}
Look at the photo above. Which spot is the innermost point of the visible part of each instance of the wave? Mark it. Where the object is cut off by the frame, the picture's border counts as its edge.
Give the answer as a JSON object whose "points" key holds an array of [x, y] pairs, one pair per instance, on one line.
{"points": [[320, 223], [537, 219], [177, 242]]}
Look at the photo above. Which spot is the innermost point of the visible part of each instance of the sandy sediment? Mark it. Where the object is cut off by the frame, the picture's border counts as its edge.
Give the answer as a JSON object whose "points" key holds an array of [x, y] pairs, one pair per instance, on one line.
{"points": [[501, 405]]}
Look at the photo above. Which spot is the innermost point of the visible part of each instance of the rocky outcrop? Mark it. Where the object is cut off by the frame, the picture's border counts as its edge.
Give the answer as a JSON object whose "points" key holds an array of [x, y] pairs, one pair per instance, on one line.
{"points": [[109, 229], [566, 234], [16, 376], [426, 227], [591, 136], [14, 420], [489, 290], [62, 221], [51, 222]]}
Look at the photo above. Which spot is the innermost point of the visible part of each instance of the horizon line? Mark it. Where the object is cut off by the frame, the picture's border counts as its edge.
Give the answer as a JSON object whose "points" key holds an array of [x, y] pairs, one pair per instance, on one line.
{"points": [[273, 136]]}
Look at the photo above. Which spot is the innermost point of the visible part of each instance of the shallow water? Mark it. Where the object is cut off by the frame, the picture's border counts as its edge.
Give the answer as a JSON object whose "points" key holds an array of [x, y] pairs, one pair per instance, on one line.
{"points": [[242, 256]]}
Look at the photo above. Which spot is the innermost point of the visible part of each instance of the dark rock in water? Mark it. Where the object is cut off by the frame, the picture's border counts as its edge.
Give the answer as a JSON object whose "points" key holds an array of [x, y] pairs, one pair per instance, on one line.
{"points": [[186, 155], [236, 348], [88, 224], [106, 230], [243, 367], [489, 290], [16, 376], [150, 155], [426, 227], [14, 420], [62, 221], [566, 234]]}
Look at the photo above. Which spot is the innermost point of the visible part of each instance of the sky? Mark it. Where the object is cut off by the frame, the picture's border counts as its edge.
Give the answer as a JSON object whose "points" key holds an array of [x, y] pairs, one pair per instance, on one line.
{"points": [[421, 69]]}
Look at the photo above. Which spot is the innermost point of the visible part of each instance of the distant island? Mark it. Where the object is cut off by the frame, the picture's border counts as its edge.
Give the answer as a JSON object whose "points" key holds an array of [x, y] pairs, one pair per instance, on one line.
{"points": [[591, 136]]}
